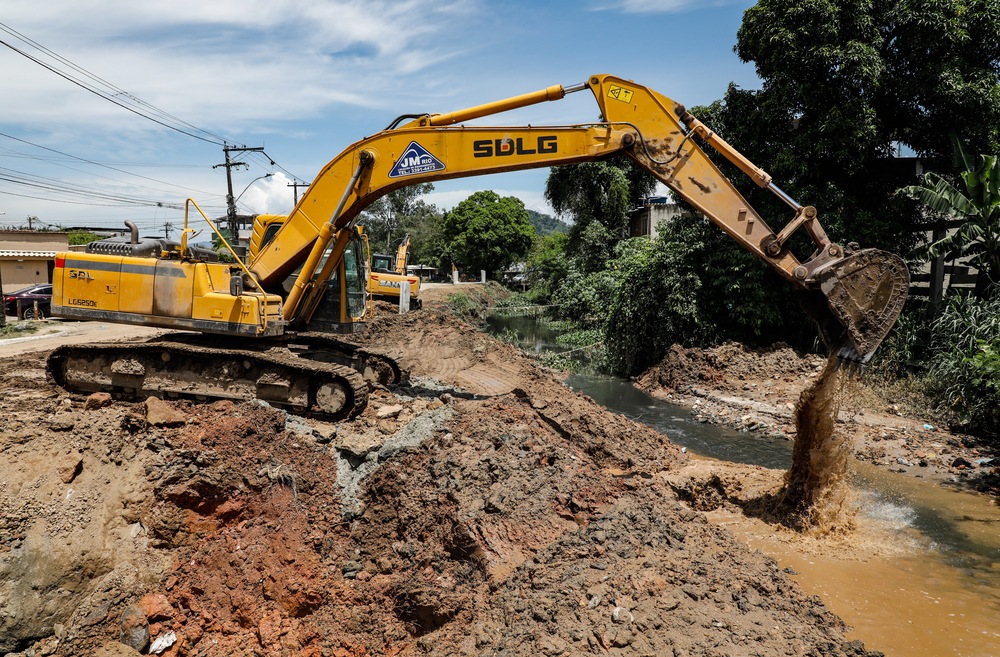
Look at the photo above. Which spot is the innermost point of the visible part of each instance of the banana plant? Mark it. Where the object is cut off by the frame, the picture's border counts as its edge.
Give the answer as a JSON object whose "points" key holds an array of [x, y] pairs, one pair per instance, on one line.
{"points": [[977, 207]]}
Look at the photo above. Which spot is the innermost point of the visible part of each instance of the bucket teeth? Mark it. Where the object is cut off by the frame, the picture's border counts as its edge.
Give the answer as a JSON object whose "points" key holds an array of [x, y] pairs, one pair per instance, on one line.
{"points": [[850, 362]]}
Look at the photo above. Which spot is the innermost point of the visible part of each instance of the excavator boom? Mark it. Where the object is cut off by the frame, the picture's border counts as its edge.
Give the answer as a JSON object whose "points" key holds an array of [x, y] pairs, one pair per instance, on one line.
{"points": [[658, 133]]}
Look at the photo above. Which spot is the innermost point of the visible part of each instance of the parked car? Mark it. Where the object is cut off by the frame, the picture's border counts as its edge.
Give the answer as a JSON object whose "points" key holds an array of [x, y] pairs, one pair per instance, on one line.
{"points": [[41, 293]]}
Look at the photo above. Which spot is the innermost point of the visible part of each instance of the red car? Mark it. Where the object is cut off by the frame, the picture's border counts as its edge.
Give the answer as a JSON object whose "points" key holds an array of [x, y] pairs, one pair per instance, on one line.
{"points": [[41, 293]]}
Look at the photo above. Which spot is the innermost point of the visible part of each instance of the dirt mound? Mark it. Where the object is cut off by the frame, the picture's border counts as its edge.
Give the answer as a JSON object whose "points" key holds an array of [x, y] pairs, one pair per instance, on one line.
{"points": [[727, 365], [483, 509]]}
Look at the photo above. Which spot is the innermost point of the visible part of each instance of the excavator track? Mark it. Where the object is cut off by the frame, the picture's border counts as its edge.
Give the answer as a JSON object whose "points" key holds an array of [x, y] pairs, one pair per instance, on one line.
{"points": [[376, 368], [169, 369]]}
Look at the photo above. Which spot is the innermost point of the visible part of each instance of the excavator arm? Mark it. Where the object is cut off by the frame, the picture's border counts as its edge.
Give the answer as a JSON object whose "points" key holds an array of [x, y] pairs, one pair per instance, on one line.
{"points": [[863, 290]]}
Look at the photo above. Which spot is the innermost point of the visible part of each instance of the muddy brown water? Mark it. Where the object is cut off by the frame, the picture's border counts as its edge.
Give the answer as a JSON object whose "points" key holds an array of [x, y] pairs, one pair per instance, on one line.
{"points": [[937, 594]]}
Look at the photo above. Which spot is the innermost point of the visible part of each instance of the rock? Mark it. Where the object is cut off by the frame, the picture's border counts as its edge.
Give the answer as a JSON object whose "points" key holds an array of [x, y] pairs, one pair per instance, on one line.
{"points": [[161, 414], [350, 569], [62, 425], [70, 467], [269, 630], [156, 607], [622, 615], [325, 437], [134, 628], [163, 642], [962, 463], [389, 411], [96, 401]]}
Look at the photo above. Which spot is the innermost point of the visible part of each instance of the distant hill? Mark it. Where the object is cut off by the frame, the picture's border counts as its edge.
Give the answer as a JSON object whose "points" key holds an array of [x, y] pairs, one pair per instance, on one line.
{"points": [[545, 224]]}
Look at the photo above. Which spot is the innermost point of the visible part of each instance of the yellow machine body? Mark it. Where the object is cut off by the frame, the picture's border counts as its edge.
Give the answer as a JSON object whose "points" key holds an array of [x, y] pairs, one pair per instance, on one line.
{"points": [[160, 292], [864, 290]]}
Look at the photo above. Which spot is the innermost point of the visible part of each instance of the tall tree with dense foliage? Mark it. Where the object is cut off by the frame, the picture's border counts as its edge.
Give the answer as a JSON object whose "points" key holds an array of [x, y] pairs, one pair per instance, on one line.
{"points": [[845, 83], [382, 218], [597, 196], [487, 232]]}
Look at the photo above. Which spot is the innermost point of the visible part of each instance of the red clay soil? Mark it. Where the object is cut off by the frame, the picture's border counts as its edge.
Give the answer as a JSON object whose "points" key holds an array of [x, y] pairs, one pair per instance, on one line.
{"points": [[485, 509]]}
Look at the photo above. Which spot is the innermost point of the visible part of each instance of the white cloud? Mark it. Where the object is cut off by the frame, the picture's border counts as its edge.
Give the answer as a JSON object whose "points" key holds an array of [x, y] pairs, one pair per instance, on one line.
{"points": [[224, 62], [268, 196]]}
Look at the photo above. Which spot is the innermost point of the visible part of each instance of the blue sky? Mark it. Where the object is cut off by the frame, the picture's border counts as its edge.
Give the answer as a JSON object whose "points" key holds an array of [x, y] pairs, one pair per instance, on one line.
{"points": [[304, 80]]}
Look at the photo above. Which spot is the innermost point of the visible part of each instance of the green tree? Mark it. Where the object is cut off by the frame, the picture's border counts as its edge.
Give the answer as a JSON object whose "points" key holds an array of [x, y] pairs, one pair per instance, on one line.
{"points": [[382, 218], [597, 192], [657, 303], [423, 225], [845, 82], [487, 232], [977, 207], [78, 237], [547, 264]]}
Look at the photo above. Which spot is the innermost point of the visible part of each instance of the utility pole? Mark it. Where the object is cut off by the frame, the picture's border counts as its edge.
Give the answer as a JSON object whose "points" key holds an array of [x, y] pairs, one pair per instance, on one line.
{"points": [[167, 228], [296, 185], [234, 230]]}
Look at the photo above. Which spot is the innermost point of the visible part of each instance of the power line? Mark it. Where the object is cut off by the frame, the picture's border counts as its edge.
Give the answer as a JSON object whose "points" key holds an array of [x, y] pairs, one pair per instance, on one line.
{"points": [[49, 184], [127, 101], [144, 109], [98, 164]]}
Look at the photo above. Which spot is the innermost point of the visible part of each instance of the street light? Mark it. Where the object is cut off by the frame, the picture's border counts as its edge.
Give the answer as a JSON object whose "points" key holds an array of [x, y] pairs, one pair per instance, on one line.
{"points": [[234, 226], [266, 175]]}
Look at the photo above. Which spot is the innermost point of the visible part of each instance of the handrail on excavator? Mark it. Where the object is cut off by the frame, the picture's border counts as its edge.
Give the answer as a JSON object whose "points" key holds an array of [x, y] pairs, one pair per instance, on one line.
{"points": [[262, 323]]}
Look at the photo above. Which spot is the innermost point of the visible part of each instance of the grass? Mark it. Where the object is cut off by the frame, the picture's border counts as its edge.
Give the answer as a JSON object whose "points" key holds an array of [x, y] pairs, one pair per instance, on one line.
{"points": [[17, 329]]}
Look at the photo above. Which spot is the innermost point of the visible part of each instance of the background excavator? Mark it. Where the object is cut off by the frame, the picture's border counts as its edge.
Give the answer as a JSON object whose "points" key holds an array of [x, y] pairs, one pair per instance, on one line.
{"points": [[388, 275], [267, 329]]}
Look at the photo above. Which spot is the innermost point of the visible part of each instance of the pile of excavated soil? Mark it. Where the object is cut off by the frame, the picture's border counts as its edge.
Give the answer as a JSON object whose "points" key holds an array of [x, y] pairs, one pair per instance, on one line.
{"points": [[756, 390], [483, 509]]}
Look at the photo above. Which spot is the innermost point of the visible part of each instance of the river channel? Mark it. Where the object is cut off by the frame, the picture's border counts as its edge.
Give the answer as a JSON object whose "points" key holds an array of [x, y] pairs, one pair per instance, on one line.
{"points": [[936, 594]]}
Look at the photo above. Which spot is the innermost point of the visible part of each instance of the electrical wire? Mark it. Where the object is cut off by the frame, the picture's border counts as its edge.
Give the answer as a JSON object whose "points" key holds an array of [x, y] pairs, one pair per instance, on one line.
{"points": [[98, 164], [143, 109], [100, 87]]}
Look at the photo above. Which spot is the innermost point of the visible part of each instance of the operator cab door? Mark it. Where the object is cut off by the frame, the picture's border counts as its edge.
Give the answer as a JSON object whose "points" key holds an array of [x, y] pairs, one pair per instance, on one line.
{"points": [[344, 306]]}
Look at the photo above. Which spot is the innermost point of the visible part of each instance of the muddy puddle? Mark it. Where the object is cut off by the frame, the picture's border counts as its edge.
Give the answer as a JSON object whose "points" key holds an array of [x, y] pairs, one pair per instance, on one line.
{"points": [[918, 575]]}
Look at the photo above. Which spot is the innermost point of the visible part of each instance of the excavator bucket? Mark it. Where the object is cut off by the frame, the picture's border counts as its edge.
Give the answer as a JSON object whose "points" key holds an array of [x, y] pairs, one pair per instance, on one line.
{"points": [[864, 294]]}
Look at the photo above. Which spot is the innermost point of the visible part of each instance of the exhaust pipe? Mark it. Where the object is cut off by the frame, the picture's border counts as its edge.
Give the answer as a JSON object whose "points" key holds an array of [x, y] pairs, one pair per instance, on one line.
{"points": [[134, 230]]}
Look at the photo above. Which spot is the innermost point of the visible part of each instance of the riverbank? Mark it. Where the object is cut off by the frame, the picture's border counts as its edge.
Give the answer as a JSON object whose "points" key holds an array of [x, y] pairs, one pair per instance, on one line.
{"points": [[756, 391], [912, 547]]}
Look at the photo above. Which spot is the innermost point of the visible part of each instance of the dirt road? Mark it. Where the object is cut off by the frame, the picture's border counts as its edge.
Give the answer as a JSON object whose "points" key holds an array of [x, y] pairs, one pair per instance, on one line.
{"points": [[484, 509]]}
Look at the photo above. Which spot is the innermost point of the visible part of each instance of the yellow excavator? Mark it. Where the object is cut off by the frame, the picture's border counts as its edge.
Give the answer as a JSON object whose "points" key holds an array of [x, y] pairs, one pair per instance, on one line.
{"points": [[257, 336], [388, 276]]}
